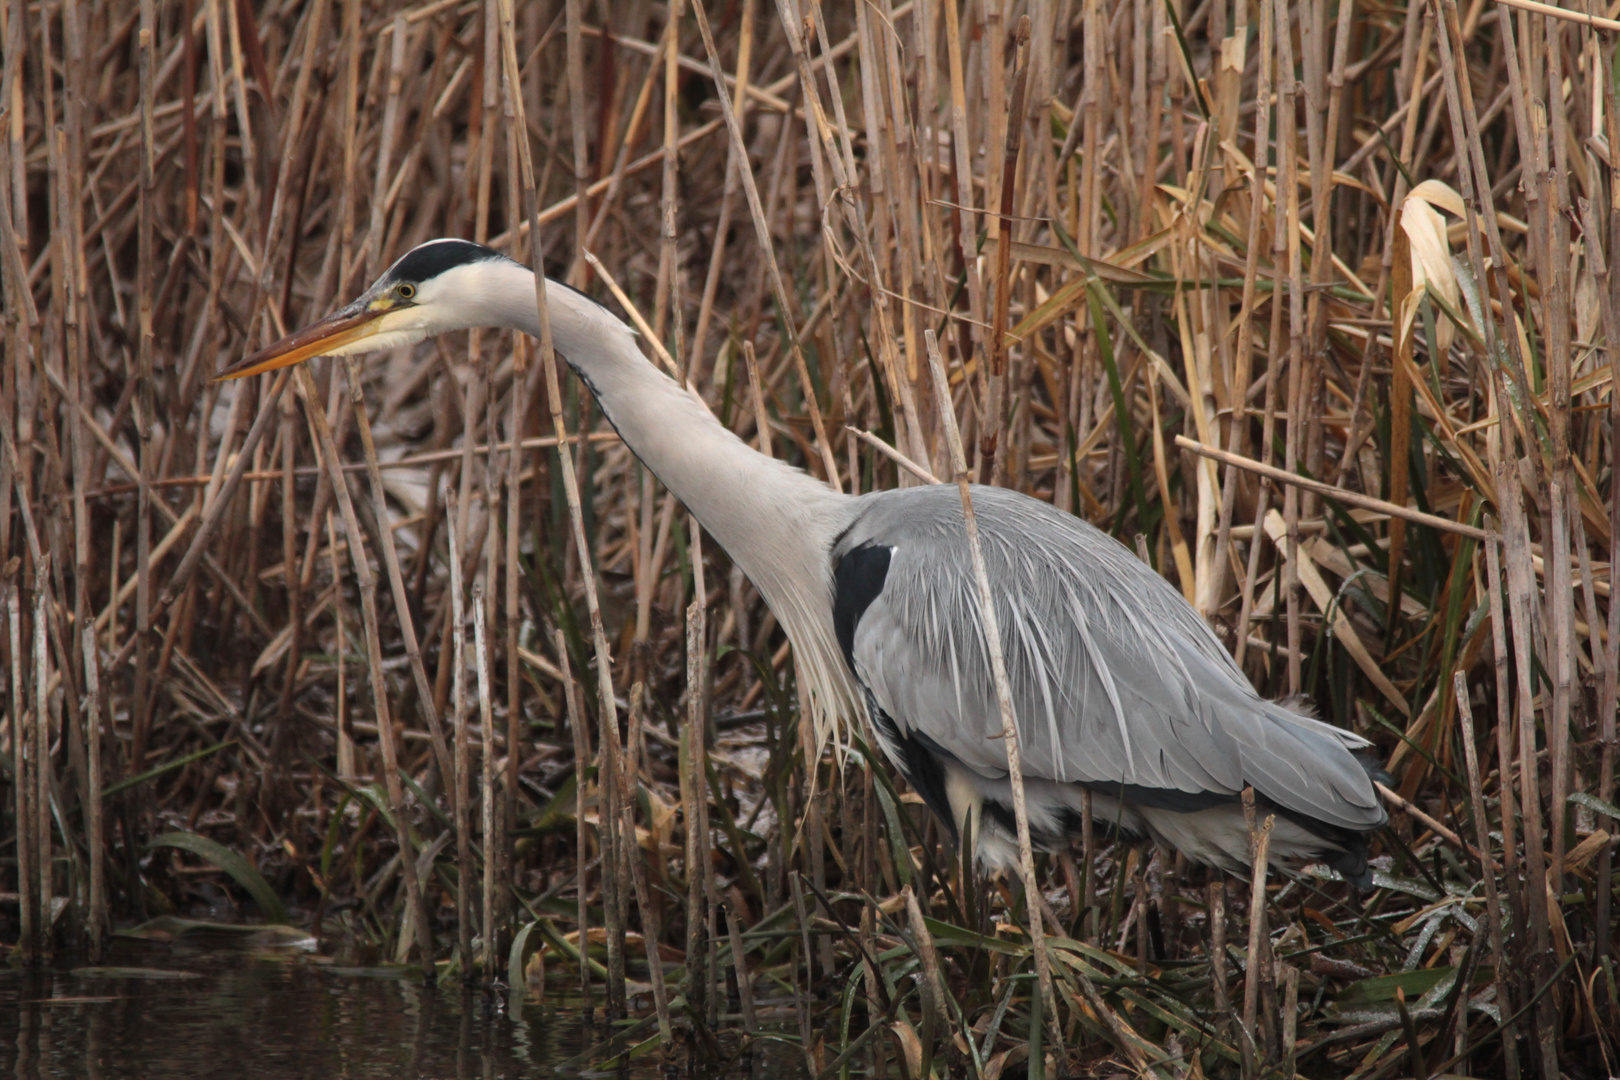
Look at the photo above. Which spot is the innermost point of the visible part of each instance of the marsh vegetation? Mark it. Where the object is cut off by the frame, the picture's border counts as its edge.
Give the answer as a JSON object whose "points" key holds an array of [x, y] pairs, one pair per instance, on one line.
{"points": [[1308, 304]]}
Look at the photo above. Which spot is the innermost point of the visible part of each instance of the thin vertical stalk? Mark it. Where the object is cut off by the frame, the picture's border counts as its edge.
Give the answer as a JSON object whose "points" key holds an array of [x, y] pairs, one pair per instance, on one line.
{"points": [[548, 358], [844, 176], [1262, 153], [486, 720], [416, 911], [694, 794], [933, 996], [1507, 812], [43, 882], [728, 195], [77, 313], [144, 405], [763, 231], [1558, 615], [998, 669], [582, 755], [396, 578], [212, 518], [1260, 841], [762, 420], [1298, 377], [1482, 838], [94, 814], [739, 965], [1011, 127], [388, 136], [1397, 255], [461, 779], [350, 82], [492, 820], [1217, 949], [294, 582], [636, 859], [516, 419], [1601, 262], [524, 381], [802, 995], [1243, 353], [22, 785], [345, 730], [702, 726], [1290, 1017], [573, 17], [666, 300], [967, 228]]}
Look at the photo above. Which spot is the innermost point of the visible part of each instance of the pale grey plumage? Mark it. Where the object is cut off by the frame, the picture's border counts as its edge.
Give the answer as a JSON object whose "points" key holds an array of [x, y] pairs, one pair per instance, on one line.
{"points": [[1119, 687], [1117, 683]]}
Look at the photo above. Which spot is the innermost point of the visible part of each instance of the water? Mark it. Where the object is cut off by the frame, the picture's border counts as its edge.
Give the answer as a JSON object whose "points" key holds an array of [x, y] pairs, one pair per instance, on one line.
{"points": [[180, 1011]]}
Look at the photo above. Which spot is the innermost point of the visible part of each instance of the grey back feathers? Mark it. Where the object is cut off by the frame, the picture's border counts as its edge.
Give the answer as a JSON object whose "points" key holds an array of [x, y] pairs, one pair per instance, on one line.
{"points": [[1119, 687]]}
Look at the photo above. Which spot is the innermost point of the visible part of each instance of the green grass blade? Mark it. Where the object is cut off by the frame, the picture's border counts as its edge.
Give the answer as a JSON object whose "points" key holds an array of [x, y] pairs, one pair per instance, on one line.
{"points": [[233, 864], [168, 767]]}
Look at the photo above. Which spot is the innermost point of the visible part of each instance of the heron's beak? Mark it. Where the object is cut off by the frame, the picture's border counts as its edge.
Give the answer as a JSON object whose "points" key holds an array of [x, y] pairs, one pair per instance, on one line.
{"points": [[336, 330]]}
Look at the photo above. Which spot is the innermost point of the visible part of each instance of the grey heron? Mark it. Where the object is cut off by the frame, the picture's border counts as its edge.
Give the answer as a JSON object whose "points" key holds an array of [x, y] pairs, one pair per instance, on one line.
{"points": [[1120, 688]]}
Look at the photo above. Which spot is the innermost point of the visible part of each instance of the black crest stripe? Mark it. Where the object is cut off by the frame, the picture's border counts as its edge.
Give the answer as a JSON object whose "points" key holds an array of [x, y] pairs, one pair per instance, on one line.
{"points": [[428, 261]]}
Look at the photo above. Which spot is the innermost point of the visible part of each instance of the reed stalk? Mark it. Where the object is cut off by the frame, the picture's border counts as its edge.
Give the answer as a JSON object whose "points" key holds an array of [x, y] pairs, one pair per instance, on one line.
{"points": [[486, 796], [461, 778], [1259, 952], [1009, 723], [415, 912], [396, 579], [608, 715], [22, 767], [95, 813], [582, 753]]}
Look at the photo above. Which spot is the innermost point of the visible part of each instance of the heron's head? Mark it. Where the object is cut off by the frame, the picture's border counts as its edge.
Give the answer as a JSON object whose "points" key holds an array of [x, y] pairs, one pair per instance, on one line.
{"points": [[437, 286]]}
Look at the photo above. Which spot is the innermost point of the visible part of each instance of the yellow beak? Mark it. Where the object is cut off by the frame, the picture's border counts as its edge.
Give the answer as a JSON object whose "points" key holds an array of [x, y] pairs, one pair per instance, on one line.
{"points": [[333, 332]]}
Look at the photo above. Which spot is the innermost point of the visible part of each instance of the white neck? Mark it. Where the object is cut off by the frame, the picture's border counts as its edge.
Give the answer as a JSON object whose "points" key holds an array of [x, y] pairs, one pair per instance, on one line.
{"points": [[775, 521]]}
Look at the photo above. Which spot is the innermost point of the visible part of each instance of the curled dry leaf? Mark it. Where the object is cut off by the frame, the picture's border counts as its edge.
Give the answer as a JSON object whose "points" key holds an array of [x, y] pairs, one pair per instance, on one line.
{"points": [[1439, 193], [1431, 254], [910, 1045]]}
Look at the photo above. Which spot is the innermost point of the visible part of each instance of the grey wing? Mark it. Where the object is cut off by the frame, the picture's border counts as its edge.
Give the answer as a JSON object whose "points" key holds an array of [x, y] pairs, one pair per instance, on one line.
{"points": [[1116, 680]]}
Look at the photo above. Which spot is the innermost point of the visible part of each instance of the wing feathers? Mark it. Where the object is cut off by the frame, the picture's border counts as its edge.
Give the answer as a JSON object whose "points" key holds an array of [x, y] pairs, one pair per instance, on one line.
{"points": [[1115, 678]]}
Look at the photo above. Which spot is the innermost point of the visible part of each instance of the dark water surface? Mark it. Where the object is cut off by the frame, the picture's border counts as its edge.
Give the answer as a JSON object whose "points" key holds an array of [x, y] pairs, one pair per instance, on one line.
{"points": [[179, 1013]]}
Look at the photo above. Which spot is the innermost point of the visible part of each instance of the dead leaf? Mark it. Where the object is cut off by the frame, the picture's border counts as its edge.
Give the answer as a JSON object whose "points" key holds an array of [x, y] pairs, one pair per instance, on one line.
{"points": [[910, 1045], [1431, 253]]}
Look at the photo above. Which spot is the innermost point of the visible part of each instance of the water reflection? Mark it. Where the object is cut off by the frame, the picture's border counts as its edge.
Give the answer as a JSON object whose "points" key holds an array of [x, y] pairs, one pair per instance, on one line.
{"points": [[264, 1016]]}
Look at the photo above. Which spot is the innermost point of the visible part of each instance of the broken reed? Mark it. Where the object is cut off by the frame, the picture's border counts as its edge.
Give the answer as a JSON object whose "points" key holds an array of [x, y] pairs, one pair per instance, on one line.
{"points": [[1134, 321]]}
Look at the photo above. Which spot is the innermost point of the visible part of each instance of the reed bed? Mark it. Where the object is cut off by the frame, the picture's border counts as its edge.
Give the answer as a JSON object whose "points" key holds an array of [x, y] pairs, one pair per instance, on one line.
{"points": [[1311, 304]]}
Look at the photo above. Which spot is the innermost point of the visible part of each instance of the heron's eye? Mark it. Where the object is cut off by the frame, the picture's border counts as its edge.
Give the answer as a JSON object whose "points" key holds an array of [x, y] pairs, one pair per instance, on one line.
{"points": [[406, 291]]}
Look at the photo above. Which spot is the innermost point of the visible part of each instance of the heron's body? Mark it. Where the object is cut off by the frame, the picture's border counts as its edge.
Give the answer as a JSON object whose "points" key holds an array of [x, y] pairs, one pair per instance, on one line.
{"points": [[1119, 688]]}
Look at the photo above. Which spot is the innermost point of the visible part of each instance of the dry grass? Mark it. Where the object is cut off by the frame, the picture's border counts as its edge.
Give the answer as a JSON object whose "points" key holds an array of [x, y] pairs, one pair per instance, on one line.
{"points": [[229, 677]]}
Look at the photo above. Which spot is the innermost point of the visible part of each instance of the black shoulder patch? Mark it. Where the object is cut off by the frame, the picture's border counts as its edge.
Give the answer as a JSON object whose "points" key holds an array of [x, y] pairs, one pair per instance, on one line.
{"points": [[427, 261], [857, 580]]}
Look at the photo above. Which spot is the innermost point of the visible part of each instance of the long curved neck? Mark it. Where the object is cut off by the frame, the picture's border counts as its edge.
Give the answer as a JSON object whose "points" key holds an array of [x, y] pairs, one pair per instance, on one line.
{"points": [[775, 521]]}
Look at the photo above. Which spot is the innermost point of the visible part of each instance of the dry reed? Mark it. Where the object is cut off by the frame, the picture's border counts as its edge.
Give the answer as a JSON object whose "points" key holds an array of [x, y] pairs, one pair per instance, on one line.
{"points": [[1314, 302]]}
